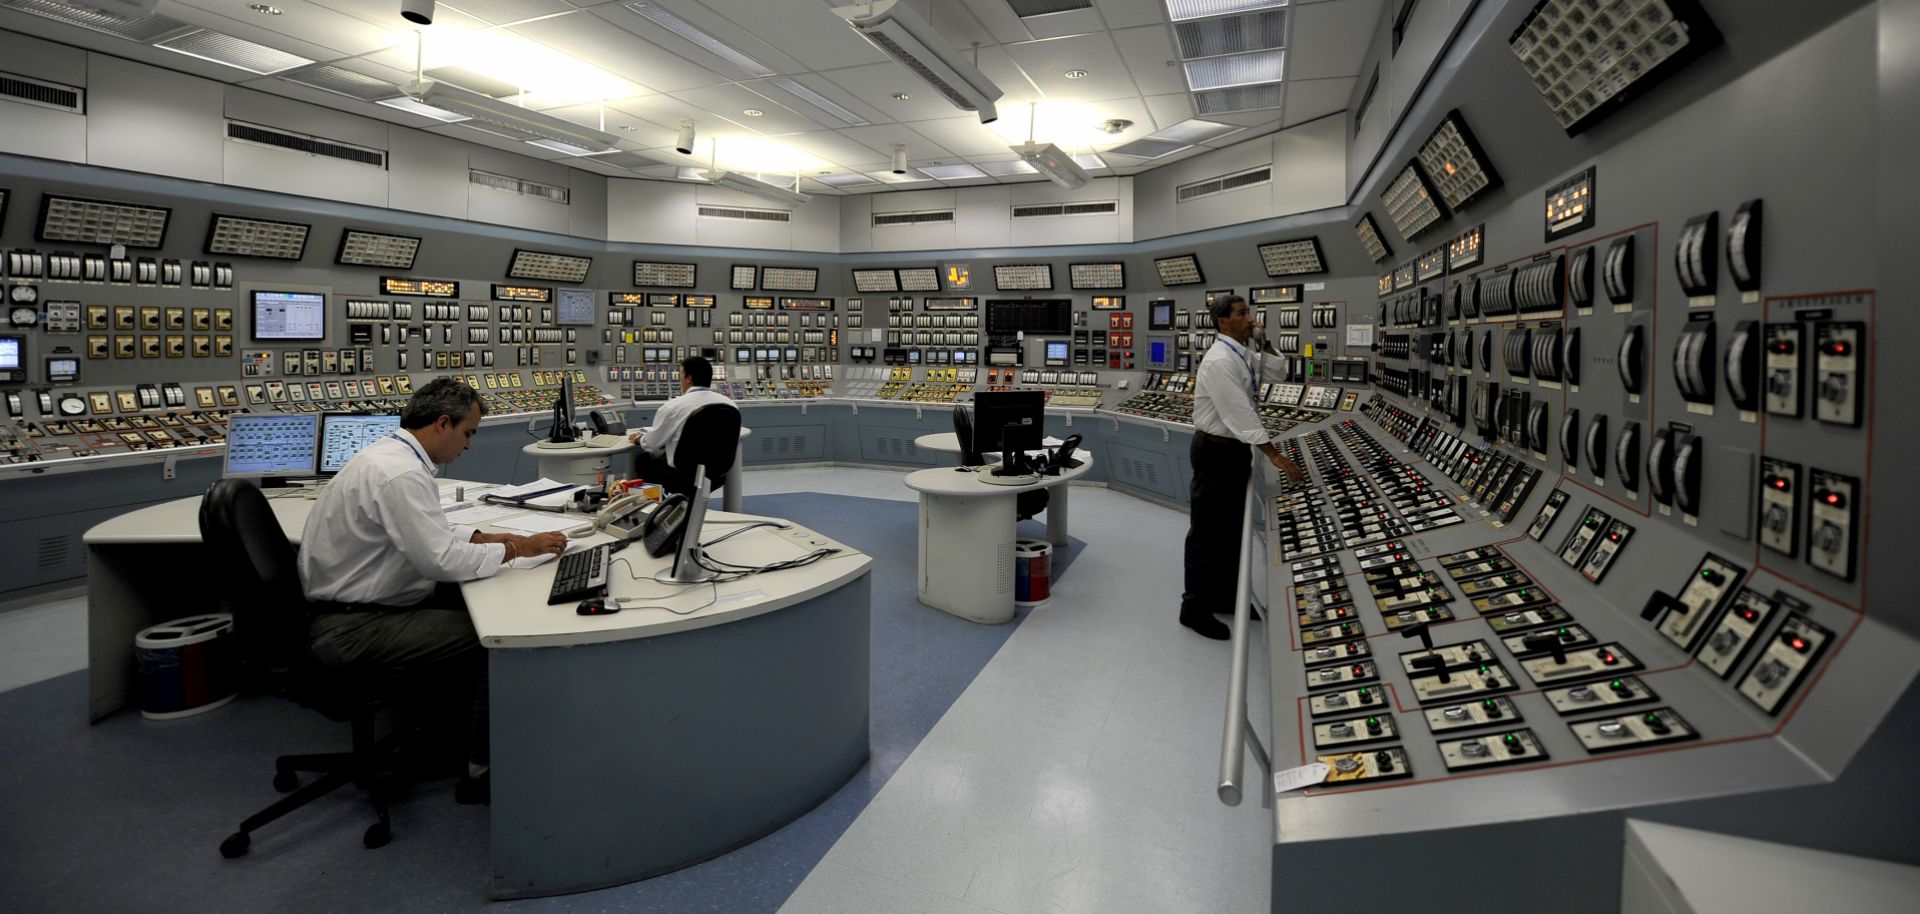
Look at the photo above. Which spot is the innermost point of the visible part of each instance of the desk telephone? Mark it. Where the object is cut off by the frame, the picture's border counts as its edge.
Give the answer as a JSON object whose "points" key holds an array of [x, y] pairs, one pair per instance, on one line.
{"points": [[658, 525]]}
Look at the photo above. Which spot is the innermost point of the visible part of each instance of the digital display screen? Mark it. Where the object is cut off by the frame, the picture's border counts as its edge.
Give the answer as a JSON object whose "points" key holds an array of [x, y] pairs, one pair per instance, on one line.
{"points": [[573, 307], [745, 276], [271, 445], [540, 294], [1109, 303], [1431, 264], [289, 316], [1274, 295], [1160, 314], [959, 277], [342, 435], [62, 371], [10, 354], [1183, 270], [1056, 352], [698, 301], [1464, 251], [423, 288]]}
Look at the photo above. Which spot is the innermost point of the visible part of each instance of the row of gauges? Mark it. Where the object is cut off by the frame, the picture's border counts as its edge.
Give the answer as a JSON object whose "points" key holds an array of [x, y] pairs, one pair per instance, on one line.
{"points": [[144, 271], [1327, 318]]}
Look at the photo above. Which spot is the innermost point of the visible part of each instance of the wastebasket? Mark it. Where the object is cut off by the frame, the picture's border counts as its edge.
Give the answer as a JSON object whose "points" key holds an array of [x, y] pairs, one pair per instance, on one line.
{"points": [[186, 666], [1032, 571]]}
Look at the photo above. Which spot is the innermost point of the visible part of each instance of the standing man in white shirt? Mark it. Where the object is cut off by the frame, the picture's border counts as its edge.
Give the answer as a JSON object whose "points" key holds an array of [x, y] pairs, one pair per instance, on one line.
{"points": [[1226, 429], [654, 460], [378, 546]]}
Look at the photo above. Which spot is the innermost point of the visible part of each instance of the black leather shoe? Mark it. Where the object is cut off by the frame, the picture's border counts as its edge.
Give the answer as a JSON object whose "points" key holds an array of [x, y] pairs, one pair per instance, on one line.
{"points": [[1208, 627]]}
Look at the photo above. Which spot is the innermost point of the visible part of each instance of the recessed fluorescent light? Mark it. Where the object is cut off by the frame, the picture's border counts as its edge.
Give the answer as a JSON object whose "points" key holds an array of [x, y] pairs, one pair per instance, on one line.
{"points": [[228, 51], [403, 103], [690, 173], [1194, 130], [672, 23], [1235, 70], [1008, 169], [854, 179], [912, 175], [1089, 160], [1149, 148], [952, 172], [1178, 10], [567, 148], [822, 102]]}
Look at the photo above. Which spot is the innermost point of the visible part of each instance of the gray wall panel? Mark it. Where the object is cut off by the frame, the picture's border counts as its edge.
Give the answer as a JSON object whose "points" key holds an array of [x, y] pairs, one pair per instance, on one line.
{"points": [[153, 121], [427, 173]]}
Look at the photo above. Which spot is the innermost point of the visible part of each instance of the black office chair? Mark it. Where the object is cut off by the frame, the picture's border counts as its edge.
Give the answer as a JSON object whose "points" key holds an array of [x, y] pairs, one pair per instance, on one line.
{"points": [[1027, 504], [249, 553], [710, 438]]}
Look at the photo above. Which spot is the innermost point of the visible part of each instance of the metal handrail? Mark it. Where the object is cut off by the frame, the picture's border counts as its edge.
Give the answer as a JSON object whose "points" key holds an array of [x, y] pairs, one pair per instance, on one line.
{"points": [[1239, 734]]}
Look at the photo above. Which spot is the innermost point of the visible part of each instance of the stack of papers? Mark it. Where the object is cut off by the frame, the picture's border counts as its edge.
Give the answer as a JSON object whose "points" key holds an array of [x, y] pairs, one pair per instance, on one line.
{"points": [[541, 493]]}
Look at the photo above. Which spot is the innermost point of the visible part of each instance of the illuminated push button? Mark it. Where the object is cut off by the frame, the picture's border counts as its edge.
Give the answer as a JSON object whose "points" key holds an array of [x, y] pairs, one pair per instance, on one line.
{"points": [[1513, 744], [1612, 729], [1582, 694], [1342, 729], [1655, 723], [1620, 688], [1455, 713], [1373, 726], [1474, 748], [1492, 709]]}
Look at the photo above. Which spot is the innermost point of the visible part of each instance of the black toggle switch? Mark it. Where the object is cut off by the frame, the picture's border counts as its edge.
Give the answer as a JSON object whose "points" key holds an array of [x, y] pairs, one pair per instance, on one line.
{"points": [[1549, 643], [1657, 725], [1383, 760]]}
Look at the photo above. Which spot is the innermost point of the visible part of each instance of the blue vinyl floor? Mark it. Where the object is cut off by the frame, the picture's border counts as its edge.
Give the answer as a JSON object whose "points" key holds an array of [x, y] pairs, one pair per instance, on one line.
{"points": [[127, 814]]}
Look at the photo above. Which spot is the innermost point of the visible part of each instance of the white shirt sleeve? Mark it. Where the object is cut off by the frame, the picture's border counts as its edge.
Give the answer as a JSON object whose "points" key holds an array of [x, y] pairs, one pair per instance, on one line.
{"points": [[1273, 368], [408, 508], [666, 427]]}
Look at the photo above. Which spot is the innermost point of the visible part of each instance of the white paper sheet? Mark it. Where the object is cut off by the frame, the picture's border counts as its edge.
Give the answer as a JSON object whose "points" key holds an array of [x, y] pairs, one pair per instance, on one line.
{"points": [[541, 522]]}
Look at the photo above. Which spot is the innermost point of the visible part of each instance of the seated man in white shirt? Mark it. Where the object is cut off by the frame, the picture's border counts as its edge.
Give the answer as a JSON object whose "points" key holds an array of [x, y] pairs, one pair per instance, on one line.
{"points": [[653, 461], [378, 547]]}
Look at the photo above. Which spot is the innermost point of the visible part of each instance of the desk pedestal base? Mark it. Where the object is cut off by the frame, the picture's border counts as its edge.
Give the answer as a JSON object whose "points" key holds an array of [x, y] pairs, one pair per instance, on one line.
{"points": [[966, 555], [619, 761]]}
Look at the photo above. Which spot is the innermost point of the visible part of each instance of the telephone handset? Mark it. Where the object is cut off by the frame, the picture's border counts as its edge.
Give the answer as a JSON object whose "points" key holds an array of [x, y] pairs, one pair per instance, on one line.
{"points": [[634, 516], [606, 422], [1062, 458]]}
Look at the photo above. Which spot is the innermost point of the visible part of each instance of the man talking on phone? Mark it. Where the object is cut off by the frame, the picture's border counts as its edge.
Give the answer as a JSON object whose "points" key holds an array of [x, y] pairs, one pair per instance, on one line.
{"points": [[1226, 429]]}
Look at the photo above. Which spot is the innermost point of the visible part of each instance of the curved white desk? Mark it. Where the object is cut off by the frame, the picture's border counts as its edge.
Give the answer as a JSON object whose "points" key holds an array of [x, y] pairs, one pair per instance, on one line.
{"points": [[698, 719], [967, 533], [577, 465]]}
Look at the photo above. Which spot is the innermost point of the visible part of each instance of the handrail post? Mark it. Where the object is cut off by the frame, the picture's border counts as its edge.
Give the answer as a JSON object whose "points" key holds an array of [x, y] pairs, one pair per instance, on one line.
{"points": [[1238, 730]]}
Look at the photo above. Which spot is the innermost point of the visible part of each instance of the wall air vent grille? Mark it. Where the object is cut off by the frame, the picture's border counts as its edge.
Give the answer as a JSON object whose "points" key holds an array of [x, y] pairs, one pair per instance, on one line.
{"points": [[342, 81], [1237, 98], [1224, 183], [43, 94], [519, 186], [1099, 208], [144, 29], [748, 213], [922, 217], [300, 142]]}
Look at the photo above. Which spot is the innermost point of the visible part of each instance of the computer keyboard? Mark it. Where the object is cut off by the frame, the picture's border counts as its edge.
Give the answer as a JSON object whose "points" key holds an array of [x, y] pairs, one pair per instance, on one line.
{"points": [[606, 441], [579, 575]]}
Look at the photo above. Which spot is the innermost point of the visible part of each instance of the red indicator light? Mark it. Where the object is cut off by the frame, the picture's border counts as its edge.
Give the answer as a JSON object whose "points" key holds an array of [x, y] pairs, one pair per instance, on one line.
{"points": [[1608, 657], [1833, 498], [1779, 483], [1798, 644], [1614, 537], [1838, 348]]}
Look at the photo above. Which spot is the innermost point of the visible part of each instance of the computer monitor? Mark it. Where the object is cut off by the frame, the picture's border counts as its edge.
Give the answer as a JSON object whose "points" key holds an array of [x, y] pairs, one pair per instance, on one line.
{"points": [[271, 447], [563, 429], [1056, 353], [573, 307], [342, 435], [289, 316], [1008, 420]]}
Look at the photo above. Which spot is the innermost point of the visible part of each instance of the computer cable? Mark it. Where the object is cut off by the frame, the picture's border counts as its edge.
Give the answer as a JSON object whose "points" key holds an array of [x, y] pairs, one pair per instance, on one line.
{"points": [[712, 597]]}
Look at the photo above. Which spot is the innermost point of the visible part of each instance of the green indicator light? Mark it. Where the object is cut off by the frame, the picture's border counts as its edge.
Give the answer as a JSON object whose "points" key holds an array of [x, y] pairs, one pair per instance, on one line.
{"points": [[1617, 683]]}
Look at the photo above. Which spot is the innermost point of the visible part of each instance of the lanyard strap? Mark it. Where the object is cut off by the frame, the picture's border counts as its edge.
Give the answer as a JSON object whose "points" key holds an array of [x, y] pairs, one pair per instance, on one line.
{"points": [[1253, 380], [416, 454]]}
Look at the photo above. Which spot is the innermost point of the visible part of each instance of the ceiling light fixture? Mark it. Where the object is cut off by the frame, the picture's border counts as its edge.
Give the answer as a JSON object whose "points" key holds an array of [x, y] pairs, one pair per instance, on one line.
{"points": [[1115, 126], [418, 12], [512, 117], [1075, 73], [899, 158], [898, 30], [748, 184], [264, 9], [683, 143], [661, 17], [753, 112], [1049, 160], [901, 96]]}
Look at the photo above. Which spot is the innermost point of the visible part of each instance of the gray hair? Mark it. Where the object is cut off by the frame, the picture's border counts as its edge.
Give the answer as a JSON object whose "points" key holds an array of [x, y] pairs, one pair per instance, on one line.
{"points": [[1224, 306], [450, 397]]}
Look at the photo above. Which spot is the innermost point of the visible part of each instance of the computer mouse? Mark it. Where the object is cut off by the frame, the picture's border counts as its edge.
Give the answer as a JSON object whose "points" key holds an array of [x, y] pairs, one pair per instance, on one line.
{"points": [[581, 532], [597, 606]]}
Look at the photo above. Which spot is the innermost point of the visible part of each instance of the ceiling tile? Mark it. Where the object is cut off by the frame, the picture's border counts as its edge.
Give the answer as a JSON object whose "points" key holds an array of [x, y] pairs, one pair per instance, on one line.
{"points": [[875, 85], [645, 132], [1149, 57], [963, 135], [1056, 25], [830, 146], [881, 137], [1045, 62], [741, 35], [807, 31], [730, 102], [1330, 39], [1168, 110], [502, 12], [1317, 98], [586, 36], [985, 21], [1121, 14]]}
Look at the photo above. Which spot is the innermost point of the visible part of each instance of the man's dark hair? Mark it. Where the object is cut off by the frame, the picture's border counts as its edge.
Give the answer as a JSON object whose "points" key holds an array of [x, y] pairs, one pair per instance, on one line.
{"points": [[450, 397], [698, 370], [1223, 307]]}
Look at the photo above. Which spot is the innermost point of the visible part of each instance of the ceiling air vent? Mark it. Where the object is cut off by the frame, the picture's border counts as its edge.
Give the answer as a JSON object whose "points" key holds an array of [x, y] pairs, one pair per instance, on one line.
{"points": [[1224, 183], [241, 132], [42, 94], [520, 186], [239, 53], [1027, 9], [1238, 98], [921, 217], [342, 81], [1261, 31], [745, 212], [144, 29]]}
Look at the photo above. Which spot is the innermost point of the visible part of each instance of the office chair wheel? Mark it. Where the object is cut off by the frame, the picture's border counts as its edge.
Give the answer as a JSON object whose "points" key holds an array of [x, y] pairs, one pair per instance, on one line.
{"points": [[377, 835], [236, 845], [286, 781]]}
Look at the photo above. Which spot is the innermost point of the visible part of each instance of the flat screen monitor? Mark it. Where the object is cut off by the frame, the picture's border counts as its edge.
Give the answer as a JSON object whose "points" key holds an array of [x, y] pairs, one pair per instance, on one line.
{"points": [[342, 435], [289, 316], [1056, 353], [573, 306], [271, 446], [1160, 314], [1012, 420], [13, 358], [793, 354], [563, 418]]}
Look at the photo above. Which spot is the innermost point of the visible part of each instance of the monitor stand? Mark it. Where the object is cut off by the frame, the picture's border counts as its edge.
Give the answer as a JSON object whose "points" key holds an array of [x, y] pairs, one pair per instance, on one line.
{"points": [[686, 570]]}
